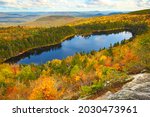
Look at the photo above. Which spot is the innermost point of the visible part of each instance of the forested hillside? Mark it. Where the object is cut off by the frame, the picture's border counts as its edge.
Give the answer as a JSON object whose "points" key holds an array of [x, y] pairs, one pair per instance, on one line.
{"points": [[79, 75], [147, 11], [20, 39], [51, 21]]}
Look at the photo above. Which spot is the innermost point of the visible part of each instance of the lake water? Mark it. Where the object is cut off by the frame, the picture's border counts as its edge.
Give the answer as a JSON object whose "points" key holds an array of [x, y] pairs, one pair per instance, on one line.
{"points": [[70, 47]]}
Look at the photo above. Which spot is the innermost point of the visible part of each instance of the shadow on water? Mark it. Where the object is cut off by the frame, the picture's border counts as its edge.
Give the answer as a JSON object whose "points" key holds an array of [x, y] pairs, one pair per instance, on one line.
{"points": [[33, 52], [69, 47]]}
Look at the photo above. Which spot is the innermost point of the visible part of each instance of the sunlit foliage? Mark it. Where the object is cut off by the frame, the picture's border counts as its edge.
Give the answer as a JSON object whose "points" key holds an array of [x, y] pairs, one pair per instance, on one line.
{"points": [[44, 89], [79, 75]]}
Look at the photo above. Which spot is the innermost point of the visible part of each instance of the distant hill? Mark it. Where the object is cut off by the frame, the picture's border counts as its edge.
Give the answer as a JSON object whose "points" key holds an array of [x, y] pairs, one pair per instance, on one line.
{"points": [[51, 21], [11, 18], [115, 13], [54, 18], [146, 11], [47, 18]]}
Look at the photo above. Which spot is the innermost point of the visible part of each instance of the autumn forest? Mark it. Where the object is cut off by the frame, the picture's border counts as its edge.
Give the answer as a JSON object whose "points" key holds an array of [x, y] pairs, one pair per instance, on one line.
{"points": [[78, 76]]}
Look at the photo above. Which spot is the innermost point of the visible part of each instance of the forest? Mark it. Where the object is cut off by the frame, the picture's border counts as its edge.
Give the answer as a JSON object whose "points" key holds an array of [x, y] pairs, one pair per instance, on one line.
{"points": [[16, 40], [76, 76]]}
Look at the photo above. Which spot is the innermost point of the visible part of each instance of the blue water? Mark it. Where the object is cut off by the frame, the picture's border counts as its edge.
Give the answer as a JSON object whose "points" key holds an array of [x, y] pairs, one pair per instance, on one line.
{"points": [[74, 45]]}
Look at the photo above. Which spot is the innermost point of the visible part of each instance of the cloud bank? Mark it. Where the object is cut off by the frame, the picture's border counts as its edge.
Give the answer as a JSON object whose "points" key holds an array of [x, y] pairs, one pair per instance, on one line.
{"points": [[72, 5]]}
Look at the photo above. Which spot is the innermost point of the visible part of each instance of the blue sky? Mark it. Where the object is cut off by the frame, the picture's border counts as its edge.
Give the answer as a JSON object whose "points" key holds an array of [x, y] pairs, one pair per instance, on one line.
{"points": [[73, 5]]}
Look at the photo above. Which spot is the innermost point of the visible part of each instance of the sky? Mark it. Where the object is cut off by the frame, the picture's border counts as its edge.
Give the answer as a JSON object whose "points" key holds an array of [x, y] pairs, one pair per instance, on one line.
{"points": [[72, 5]]}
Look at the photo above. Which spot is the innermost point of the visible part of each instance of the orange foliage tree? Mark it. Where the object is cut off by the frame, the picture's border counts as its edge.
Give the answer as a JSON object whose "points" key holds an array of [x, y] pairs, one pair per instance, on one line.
{"points": [[45, 89]]}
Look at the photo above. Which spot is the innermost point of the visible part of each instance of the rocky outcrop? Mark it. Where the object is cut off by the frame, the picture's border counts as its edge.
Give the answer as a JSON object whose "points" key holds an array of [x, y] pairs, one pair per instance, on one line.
{"points": [[137, 89]]}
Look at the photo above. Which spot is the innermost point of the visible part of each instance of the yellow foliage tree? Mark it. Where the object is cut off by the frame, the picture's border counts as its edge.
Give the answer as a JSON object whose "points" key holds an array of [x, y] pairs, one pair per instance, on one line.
{"points": [[44, 89]]}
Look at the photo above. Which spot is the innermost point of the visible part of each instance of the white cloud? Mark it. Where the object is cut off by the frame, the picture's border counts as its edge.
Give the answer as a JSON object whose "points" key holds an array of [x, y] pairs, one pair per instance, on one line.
{"points": [[143, 3], [9, 1], [121, 4], [74, 5]]}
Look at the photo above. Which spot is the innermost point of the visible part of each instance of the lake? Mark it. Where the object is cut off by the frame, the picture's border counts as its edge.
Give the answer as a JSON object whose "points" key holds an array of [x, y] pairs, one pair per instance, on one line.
{"points": [[70, 47]]}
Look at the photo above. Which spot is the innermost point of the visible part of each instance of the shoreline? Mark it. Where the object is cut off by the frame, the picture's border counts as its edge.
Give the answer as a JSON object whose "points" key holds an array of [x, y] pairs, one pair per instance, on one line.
{"points": [[34, 48], [66, 38]]}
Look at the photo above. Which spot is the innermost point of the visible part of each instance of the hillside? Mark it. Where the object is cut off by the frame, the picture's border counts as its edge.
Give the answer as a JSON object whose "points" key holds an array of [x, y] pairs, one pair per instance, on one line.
{"points": [[76, 76], [33, 18], [140, 12], [15, 18], [111, 19], [137, 89], [51, 21]]}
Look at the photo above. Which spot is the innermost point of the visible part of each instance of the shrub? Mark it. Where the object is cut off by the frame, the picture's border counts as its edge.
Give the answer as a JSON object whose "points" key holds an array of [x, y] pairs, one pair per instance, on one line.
{"points": [[26, 74]]}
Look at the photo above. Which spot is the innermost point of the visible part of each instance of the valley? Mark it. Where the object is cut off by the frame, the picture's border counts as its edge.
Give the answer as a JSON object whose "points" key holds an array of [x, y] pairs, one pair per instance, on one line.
{"points": [[46, 19], [76, 44], [81, 74]]}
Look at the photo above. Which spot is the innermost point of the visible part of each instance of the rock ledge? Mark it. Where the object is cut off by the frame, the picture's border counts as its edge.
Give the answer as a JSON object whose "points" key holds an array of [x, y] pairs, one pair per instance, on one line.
{"points": [[137, 89]]}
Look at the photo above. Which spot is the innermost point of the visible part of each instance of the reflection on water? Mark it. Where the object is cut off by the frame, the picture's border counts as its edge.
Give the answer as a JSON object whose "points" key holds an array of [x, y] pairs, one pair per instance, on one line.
{"points": [[70, 47]]}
